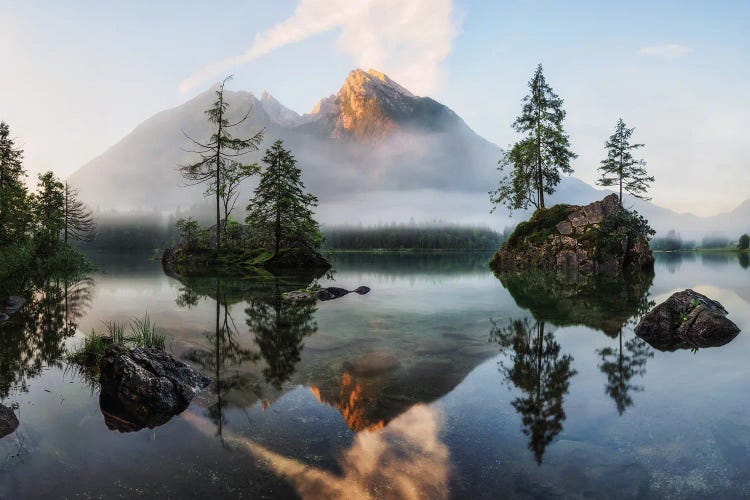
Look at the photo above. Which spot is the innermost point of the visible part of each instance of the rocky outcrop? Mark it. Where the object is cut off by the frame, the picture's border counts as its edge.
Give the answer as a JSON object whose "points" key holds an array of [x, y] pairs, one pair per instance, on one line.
{"points": [[571, 238], [8, 421], [179, 261], [329, 293], [144, 387], [687, 320]]}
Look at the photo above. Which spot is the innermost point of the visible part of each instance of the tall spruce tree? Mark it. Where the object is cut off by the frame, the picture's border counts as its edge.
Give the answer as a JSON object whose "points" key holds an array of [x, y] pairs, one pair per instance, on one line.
{"points": [[533, 165], [280, 207], [219, 167], [620, 168], [79, 219], [14, 201], [49, 209]]}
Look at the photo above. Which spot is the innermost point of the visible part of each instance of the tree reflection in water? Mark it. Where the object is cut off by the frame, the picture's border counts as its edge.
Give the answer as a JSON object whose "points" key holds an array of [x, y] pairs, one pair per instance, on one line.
{"points": [[279, 327], [620, 365], [225, 355], [35, 337], [537, 368]]}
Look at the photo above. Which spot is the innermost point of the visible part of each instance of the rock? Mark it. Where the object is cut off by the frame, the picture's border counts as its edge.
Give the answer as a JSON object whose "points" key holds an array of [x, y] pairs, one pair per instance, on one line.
{"points": [[578, 219], [8, 421], [687, 320], [144, 387], [565, 228], [331, 293], [568, 238], [298, 296], [594, 213]]}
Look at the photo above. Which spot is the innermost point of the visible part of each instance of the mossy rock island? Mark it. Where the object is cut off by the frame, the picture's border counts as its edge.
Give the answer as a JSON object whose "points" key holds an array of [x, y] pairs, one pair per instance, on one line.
{"points": [[599, 237], [181, 261]]}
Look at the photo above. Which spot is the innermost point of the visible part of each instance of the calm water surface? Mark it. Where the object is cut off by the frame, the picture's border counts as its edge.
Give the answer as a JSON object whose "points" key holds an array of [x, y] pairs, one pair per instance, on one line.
{"points": [[444, 381]]}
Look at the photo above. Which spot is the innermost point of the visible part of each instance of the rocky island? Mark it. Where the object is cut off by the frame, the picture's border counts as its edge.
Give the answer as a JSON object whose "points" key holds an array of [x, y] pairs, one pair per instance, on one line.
{"points": [[599, 237]]}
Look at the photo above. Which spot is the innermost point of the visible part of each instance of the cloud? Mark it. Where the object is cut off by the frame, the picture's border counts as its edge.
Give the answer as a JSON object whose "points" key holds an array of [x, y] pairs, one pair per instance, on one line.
{"points": [[666, 51], [406, 40]]}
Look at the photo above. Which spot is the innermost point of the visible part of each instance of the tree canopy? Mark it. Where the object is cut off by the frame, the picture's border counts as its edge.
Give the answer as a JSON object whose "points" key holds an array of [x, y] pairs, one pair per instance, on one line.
{"points": [[219, 166], [281, 210], [620, 168], [532, 167]]}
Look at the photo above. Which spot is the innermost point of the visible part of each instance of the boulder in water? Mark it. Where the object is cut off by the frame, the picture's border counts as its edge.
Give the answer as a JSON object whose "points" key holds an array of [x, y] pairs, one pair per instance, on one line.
{"points": [[8, 421], [144, 387], [687, 320]]}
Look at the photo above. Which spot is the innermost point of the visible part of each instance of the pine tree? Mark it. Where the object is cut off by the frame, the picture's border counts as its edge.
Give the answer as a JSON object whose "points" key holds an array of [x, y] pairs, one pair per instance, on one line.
{"points": [[218, 166], [620, 168], [49, 208], [535, 162], [79, 219], [14, 212], [280, 207]]}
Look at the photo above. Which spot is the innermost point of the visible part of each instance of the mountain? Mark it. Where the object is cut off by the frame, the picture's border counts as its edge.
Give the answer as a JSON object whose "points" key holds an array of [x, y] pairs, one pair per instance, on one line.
{"points": [[373, 152]]}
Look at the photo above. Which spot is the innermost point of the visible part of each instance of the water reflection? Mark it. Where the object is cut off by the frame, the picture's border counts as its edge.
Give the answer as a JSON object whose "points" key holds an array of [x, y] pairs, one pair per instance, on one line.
{"points": [[601, 302], [226, 354], [537, 368], [406, 459], [279, 327], [35, 337], [620, 365]]}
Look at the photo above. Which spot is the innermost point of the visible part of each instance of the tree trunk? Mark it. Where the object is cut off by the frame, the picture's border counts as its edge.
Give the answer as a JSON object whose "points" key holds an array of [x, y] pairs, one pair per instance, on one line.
{"points": [[218, 180]]}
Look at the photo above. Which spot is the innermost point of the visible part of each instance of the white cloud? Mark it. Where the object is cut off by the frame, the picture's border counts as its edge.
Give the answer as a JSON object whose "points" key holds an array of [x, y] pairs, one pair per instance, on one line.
{"points": [[666, 51], [406, 40]]}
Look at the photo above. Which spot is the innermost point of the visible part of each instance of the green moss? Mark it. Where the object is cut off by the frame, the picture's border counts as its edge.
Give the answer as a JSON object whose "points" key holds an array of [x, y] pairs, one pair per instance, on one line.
{"points": [[540, 226]]}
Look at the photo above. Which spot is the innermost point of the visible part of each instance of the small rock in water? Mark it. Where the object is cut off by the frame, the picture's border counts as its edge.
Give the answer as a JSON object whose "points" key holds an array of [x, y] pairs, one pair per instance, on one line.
{"points": [[331, 293], [8, 421], [362, 290], [687, 320], [144, 387]]}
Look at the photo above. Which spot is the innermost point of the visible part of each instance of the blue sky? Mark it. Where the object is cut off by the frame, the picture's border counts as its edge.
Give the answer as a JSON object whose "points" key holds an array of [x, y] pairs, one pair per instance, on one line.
{"points": [[76, 76]]}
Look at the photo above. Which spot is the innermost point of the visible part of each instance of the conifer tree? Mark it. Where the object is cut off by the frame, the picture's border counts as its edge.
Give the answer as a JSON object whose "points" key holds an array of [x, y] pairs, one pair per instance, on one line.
{"points": [[219, 167], [14, 212], [280, 207], [620, 168], [49, 208], [533, 165], [79, 219]]}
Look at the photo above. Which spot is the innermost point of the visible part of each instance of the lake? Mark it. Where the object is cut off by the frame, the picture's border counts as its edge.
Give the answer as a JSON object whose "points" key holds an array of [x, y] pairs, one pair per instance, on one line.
{"points": [[444, 381]]}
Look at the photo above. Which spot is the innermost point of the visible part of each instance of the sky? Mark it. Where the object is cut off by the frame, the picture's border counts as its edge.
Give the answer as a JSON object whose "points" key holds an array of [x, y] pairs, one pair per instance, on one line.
{"points": [[77, 76]]}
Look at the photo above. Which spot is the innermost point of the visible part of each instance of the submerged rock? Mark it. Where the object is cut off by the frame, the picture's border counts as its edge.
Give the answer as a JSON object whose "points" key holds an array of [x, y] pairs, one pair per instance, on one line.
{"points": [[144, 387], [8, 421], [569, 238], [687, 320], [329, 293]]}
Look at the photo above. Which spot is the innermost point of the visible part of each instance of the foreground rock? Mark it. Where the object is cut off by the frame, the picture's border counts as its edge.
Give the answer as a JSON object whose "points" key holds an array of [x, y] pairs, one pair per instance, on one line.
{"points": [[687, 320], [569, 238], [144, 387], [330, 293], [8, 421]]}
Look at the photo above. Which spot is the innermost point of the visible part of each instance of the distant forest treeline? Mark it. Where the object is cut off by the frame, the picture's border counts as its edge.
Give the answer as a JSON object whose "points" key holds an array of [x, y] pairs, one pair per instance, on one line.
{"points": [[412, 237], [149, 231]]}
